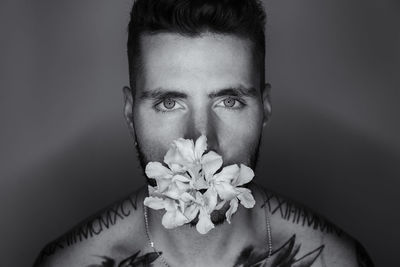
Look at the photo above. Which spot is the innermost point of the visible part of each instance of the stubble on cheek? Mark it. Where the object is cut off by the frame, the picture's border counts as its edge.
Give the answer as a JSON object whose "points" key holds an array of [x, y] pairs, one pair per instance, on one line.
{"points": [[245, 153], [241, 146], [155, 137]]}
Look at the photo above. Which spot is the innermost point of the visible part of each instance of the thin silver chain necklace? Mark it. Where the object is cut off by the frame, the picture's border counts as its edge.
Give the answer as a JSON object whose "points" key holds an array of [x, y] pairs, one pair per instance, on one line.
{"points": [[151, 243]]}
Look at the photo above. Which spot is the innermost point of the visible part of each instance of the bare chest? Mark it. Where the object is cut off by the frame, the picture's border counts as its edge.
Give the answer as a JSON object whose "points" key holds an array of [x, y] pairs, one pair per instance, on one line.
{"points": [[287, 254]]}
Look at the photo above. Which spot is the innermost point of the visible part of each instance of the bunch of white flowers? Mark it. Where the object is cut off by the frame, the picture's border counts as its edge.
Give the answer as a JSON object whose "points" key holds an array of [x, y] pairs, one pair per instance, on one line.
{"points": [[189, 171]]}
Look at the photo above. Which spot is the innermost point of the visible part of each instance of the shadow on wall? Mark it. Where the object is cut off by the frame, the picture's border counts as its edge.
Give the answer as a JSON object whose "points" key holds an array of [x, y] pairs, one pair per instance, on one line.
{"points": [[339, 171], [95, 170], [330, 168]]}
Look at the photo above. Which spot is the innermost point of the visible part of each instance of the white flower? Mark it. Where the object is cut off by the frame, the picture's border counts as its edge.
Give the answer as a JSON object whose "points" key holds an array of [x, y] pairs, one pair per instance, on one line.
{"points": [[243, 194], [202, 206], [226, 185], [189, 171], [173, 216], [186, 156]]}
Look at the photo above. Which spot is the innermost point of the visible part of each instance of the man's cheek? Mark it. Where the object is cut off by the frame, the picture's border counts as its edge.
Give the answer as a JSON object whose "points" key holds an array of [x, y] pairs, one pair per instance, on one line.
{"points": [[240, 129], [157, 124], [238, 144], [156, 136]]}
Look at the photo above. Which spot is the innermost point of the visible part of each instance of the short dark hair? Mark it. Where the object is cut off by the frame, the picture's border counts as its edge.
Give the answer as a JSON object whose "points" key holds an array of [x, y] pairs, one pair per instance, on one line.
{"points": [[245, 18]]}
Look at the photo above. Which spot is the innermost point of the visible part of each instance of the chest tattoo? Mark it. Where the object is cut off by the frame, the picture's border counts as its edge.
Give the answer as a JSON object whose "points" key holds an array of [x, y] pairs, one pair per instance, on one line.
{"points": [[134, 260], [284, 256]]}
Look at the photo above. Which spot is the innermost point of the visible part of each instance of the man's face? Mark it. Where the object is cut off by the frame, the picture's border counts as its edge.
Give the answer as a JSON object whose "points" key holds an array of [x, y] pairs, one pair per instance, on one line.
{"points": [[189, 86]]}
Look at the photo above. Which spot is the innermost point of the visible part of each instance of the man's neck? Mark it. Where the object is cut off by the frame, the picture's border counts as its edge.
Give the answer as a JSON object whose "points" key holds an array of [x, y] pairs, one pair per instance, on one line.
{"points": [[185, 241]]}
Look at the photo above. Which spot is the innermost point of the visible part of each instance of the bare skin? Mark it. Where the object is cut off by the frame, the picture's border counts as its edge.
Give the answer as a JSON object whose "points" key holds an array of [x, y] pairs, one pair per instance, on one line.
{"points": [[121, 241], [190, 86]]}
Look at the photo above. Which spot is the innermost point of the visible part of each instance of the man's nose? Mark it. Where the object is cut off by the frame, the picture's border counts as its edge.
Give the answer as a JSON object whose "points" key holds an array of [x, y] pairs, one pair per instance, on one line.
{"points": [[202, 122]]}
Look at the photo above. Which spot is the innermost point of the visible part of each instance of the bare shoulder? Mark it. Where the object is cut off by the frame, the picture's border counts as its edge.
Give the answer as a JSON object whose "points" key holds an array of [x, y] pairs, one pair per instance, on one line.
{"points": [[306, 238], [103, 239]]}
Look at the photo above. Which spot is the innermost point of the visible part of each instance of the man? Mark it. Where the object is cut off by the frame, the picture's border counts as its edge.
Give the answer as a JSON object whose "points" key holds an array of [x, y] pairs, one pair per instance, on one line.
{"points": [[197, 68]]}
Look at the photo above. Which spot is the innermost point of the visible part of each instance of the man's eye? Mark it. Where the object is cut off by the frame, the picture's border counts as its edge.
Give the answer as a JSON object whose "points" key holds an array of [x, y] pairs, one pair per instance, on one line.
{"points": [[167, 104], [231, 103]]}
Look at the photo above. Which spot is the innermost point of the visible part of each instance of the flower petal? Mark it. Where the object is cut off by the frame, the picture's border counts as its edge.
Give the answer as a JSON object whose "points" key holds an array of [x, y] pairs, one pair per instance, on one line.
{"points": [[210, 163], [163, 184], [246, 198], [225, 190], [220, 205], [232, 209], [181, 178], [199, 198], [170, 204], [173, 218], [199, 184], [155, 203], [172, 193], [185, 148], [153, 192], [156, 170], [210, 199], [228, 174], [246, 174], [181, 206], [186, 197], [177, 168], [182, 187], [175, 190], [175, 160], [180, 155], [200, 146], [197, 180], [204, 225], [191, 212]]}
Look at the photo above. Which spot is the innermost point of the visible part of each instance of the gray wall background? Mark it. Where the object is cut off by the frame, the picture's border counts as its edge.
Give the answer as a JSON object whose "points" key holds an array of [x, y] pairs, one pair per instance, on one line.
{"points": [[333, 143]]}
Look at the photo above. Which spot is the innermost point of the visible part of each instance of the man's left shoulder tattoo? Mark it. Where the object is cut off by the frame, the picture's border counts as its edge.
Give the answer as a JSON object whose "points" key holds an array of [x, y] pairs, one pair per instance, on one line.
{"points": [[298, 214]]}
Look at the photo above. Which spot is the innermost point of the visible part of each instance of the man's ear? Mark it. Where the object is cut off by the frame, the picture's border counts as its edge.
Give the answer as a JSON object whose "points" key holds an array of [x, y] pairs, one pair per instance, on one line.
{"points": [[266, 97], [129, 96]]}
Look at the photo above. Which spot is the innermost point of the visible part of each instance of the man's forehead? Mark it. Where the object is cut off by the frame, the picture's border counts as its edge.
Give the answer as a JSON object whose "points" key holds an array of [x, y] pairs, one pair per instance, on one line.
{"points": [[171, 60], [177, 48]]}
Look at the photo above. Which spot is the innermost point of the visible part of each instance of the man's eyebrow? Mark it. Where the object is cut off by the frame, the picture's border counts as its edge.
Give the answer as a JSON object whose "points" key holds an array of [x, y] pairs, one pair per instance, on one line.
{"points": [[235, 91], [161, 93]]}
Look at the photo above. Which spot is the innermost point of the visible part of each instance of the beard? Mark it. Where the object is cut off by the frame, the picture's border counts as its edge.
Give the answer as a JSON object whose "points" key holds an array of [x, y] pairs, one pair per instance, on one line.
{"points": [[217, 216]]}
